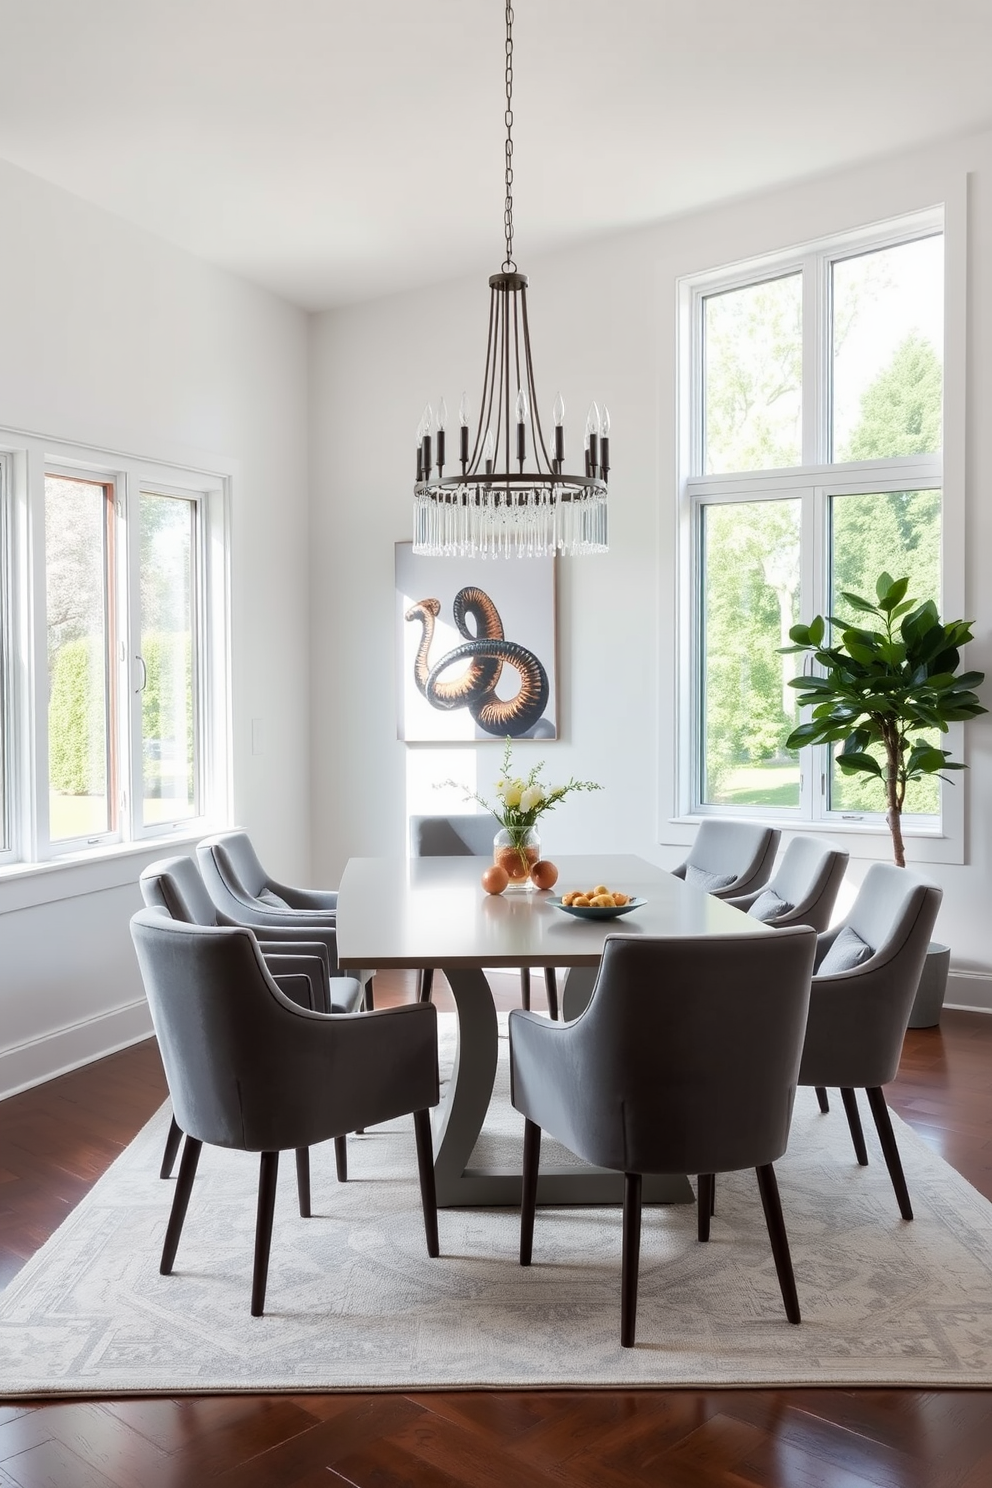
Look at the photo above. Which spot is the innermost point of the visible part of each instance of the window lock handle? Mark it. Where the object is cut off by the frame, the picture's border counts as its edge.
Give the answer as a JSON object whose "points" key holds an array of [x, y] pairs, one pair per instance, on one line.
{"points": [[144, 674]]}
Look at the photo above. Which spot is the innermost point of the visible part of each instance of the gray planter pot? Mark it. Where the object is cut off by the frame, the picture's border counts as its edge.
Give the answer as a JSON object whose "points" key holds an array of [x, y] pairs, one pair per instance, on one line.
{"points": [[933, 983]]}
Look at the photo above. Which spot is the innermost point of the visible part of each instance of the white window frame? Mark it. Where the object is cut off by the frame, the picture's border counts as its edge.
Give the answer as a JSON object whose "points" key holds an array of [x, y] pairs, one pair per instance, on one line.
{"points": [[24, 462], [929, 838]]}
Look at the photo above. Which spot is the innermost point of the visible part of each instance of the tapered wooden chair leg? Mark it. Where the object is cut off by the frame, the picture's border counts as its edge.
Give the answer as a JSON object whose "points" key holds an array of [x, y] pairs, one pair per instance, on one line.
{"points": [[854, 1122], [428, 1190], [772, 1205], [551, 986], [341, 1158], [631, 1257], [525, 988], [821, 1096], [180, 1203], [172, 1142], [706, 1184], [883, 1125], [268, 1173], [426, 984], [303, 1180], [528, 1192]]}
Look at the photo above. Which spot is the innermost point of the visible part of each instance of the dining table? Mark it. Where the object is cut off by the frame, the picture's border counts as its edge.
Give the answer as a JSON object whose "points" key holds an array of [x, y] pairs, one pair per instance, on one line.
{"points": [[433, 912]]}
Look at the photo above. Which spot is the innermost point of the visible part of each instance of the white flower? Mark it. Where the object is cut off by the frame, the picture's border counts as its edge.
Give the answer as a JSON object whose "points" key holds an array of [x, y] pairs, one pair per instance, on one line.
{"points": [[512, 792], [531, 797]]}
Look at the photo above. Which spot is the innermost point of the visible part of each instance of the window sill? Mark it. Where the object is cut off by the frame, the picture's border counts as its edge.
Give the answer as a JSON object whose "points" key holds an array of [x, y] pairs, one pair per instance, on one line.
{"points": [[25, 885], [862, 840]]}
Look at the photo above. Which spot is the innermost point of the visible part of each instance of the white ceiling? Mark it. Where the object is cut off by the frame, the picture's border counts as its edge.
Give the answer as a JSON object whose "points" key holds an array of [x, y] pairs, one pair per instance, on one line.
{"points": [[334, 152]]}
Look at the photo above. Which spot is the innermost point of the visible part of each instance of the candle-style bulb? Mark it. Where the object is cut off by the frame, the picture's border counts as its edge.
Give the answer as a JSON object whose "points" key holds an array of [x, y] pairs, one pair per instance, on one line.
{"points": [[592, 419], [428, 419], [442, 415], [604, 427], [558, 412], [489, 447], [463, 411], [521, 406]]}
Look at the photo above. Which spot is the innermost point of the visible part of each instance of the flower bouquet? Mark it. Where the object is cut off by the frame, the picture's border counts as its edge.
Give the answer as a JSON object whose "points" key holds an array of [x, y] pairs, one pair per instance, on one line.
{"points": [[522, 801]]}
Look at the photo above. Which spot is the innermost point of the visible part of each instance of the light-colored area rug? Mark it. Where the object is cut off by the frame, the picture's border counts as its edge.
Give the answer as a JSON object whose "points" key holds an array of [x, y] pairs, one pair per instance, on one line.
{"points": [[354, 1303]]}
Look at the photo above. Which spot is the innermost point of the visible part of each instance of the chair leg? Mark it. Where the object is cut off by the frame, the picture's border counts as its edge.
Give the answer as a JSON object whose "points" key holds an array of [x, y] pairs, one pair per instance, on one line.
{"points": [[631, 1257], [528, 1192], [551, 986], [341, 1158], [772, 1205], [268, 1173], [428, 1191], [525, 988], [821, 1096], [705, 1194], [890, 1151], [368, 1001], [854, 1122], [303, 1180], [426, 984], [172, 1142], [180, 1203]]}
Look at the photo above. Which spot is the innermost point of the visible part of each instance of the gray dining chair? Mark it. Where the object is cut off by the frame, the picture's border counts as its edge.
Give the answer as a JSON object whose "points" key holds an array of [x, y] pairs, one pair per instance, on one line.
{"points": [[458, 836], [303, 961], [250, 1070], [802, 890], [866, 975], [729, 858], [684, 1061], [245, 894]]}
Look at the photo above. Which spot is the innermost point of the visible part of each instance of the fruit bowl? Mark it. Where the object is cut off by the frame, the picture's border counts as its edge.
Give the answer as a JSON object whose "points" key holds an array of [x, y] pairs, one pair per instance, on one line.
{"points": [[596, 911]]}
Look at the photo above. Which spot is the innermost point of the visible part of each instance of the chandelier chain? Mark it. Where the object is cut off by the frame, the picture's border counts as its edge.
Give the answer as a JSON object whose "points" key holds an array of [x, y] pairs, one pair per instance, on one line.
{"points": [[508, 262]]}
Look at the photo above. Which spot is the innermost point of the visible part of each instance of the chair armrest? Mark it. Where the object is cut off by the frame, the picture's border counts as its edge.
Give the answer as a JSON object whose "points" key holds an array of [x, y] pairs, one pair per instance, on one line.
{"points": [[296, 985], [324, 901], [744, 901], [306, 960]]}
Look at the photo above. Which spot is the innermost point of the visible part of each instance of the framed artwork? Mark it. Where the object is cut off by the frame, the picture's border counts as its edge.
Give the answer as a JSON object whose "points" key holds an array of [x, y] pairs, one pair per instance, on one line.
{"points": [[475, 648]]}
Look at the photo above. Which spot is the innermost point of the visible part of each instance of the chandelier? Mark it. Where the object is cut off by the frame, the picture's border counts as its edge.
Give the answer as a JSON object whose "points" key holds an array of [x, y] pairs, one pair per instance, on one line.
{"points": [[512, 498]]}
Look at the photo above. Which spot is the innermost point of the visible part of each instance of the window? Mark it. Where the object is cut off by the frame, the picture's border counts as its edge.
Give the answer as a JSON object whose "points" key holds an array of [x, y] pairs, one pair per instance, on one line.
{"points": [[811, 396], [115, 728]]}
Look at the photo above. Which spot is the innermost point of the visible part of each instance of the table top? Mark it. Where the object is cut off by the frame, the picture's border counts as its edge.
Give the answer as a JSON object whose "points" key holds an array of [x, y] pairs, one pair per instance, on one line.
{"points": [[434, 912]]}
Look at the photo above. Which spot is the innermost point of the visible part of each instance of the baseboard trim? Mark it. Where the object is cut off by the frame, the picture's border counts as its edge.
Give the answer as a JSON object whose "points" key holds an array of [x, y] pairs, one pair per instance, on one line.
{"points": [[969, 991], [23, 1066]]}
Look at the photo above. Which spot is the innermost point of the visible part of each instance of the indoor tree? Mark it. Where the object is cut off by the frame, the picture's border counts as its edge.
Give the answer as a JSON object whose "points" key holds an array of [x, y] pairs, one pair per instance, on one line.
{"points": [[882, 688]]}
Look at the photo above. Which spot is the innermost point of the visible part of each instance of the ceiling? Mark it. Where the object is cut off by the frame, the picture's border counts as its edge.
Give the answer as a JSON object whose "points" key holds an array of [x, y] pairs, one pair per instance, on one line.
{"points": [[334, 152]]}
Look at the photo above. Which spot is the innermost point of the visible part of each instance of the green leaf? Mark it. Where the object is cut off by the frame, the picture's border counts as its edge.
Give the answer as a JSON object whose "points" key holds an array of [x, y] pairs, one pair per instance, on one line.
{"points": [[857, 603], [883, 584], [863, 764], [800, 634], [893, 594]]}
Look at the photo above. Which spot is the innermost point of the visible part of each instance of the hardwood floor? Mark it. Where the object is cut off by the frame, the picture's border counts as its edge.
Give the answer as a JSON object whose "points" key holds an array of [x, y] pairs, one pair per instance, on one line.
{"points": [[57, 1139]]}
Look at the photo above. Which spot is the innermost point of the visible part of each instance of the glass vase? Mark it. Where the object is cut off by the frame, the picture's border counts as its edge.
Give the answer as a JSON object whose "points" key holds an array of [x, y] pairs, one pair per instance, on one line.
{"points": [[516, 850]]}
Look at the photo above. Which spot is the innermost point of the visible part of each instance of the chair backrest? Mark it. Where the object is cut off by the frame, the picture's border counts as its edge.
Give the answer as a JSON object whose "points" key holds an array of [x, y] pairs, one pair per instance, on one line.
{"points": [[225, 1032], [687, 1056], [742, 848], [457, 836], [174, 884], [894, 913], [233, 876], [808, 876]]}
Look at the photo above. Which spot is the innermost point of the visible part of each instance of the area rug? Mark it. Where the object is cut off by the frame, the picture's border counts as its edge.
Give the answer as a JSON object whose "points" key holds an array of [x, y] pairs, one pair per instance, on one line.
{"points": [[355, 1304]]}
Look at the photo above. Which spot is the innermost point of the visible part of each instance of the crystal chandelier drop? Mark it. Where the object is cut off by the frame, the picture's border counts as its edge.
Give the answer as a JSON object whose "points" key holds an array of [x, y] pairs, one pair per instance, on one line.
{"points": [[512, 497]]}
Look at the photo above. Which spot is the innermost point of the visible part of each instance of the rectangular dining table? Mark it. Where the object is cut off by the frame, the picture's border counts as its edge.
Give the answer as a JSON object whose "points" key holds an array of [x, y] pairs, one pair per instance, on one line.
{"points": [[420, 912]]}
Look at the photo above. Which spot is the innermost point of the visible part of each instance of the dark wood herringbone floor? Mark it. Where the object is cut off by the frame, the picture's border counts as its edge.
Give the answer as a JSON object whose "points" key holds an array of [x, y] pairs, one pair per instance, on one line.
{"points": [[57, 1139]]}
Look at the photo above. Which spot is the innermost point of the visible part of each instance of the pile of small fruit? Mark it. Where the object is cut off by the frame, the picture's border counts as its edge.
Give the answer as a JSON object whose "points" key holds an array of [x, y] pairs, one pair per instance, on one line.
{"points": [[598, 898]]}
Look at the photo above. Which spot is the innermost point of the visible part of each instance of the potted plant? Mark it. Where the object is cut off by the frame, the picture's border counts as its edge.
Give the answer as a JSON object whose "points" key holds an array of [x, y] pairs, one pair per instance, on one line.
{"points": [[886, 683]]}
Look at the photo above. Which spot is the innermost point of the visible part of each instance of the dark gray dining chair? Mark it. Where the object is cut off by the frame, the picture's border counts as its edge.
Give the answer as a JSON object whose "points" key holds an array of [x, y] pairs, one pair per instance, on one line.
{"points": [[459, 836], [866, 975], [244, 894], [249, 1069], [802, 890], [684, 1061], [729, 858], [303, 961]]}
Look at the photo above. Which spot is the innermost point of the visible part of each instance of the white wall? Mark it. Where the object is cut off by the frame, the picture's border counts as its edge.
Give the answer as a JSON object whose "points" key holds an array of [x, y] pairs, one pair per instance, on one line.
{"points": [[603, 325], [111, 338]]}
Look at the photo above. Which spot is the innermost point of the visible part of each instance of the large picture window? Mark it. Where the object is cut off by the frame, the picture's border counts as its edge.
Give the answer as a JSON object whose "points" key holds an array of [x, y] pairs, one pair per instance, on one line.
{"points": [[812, 390], [115, 727]]}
